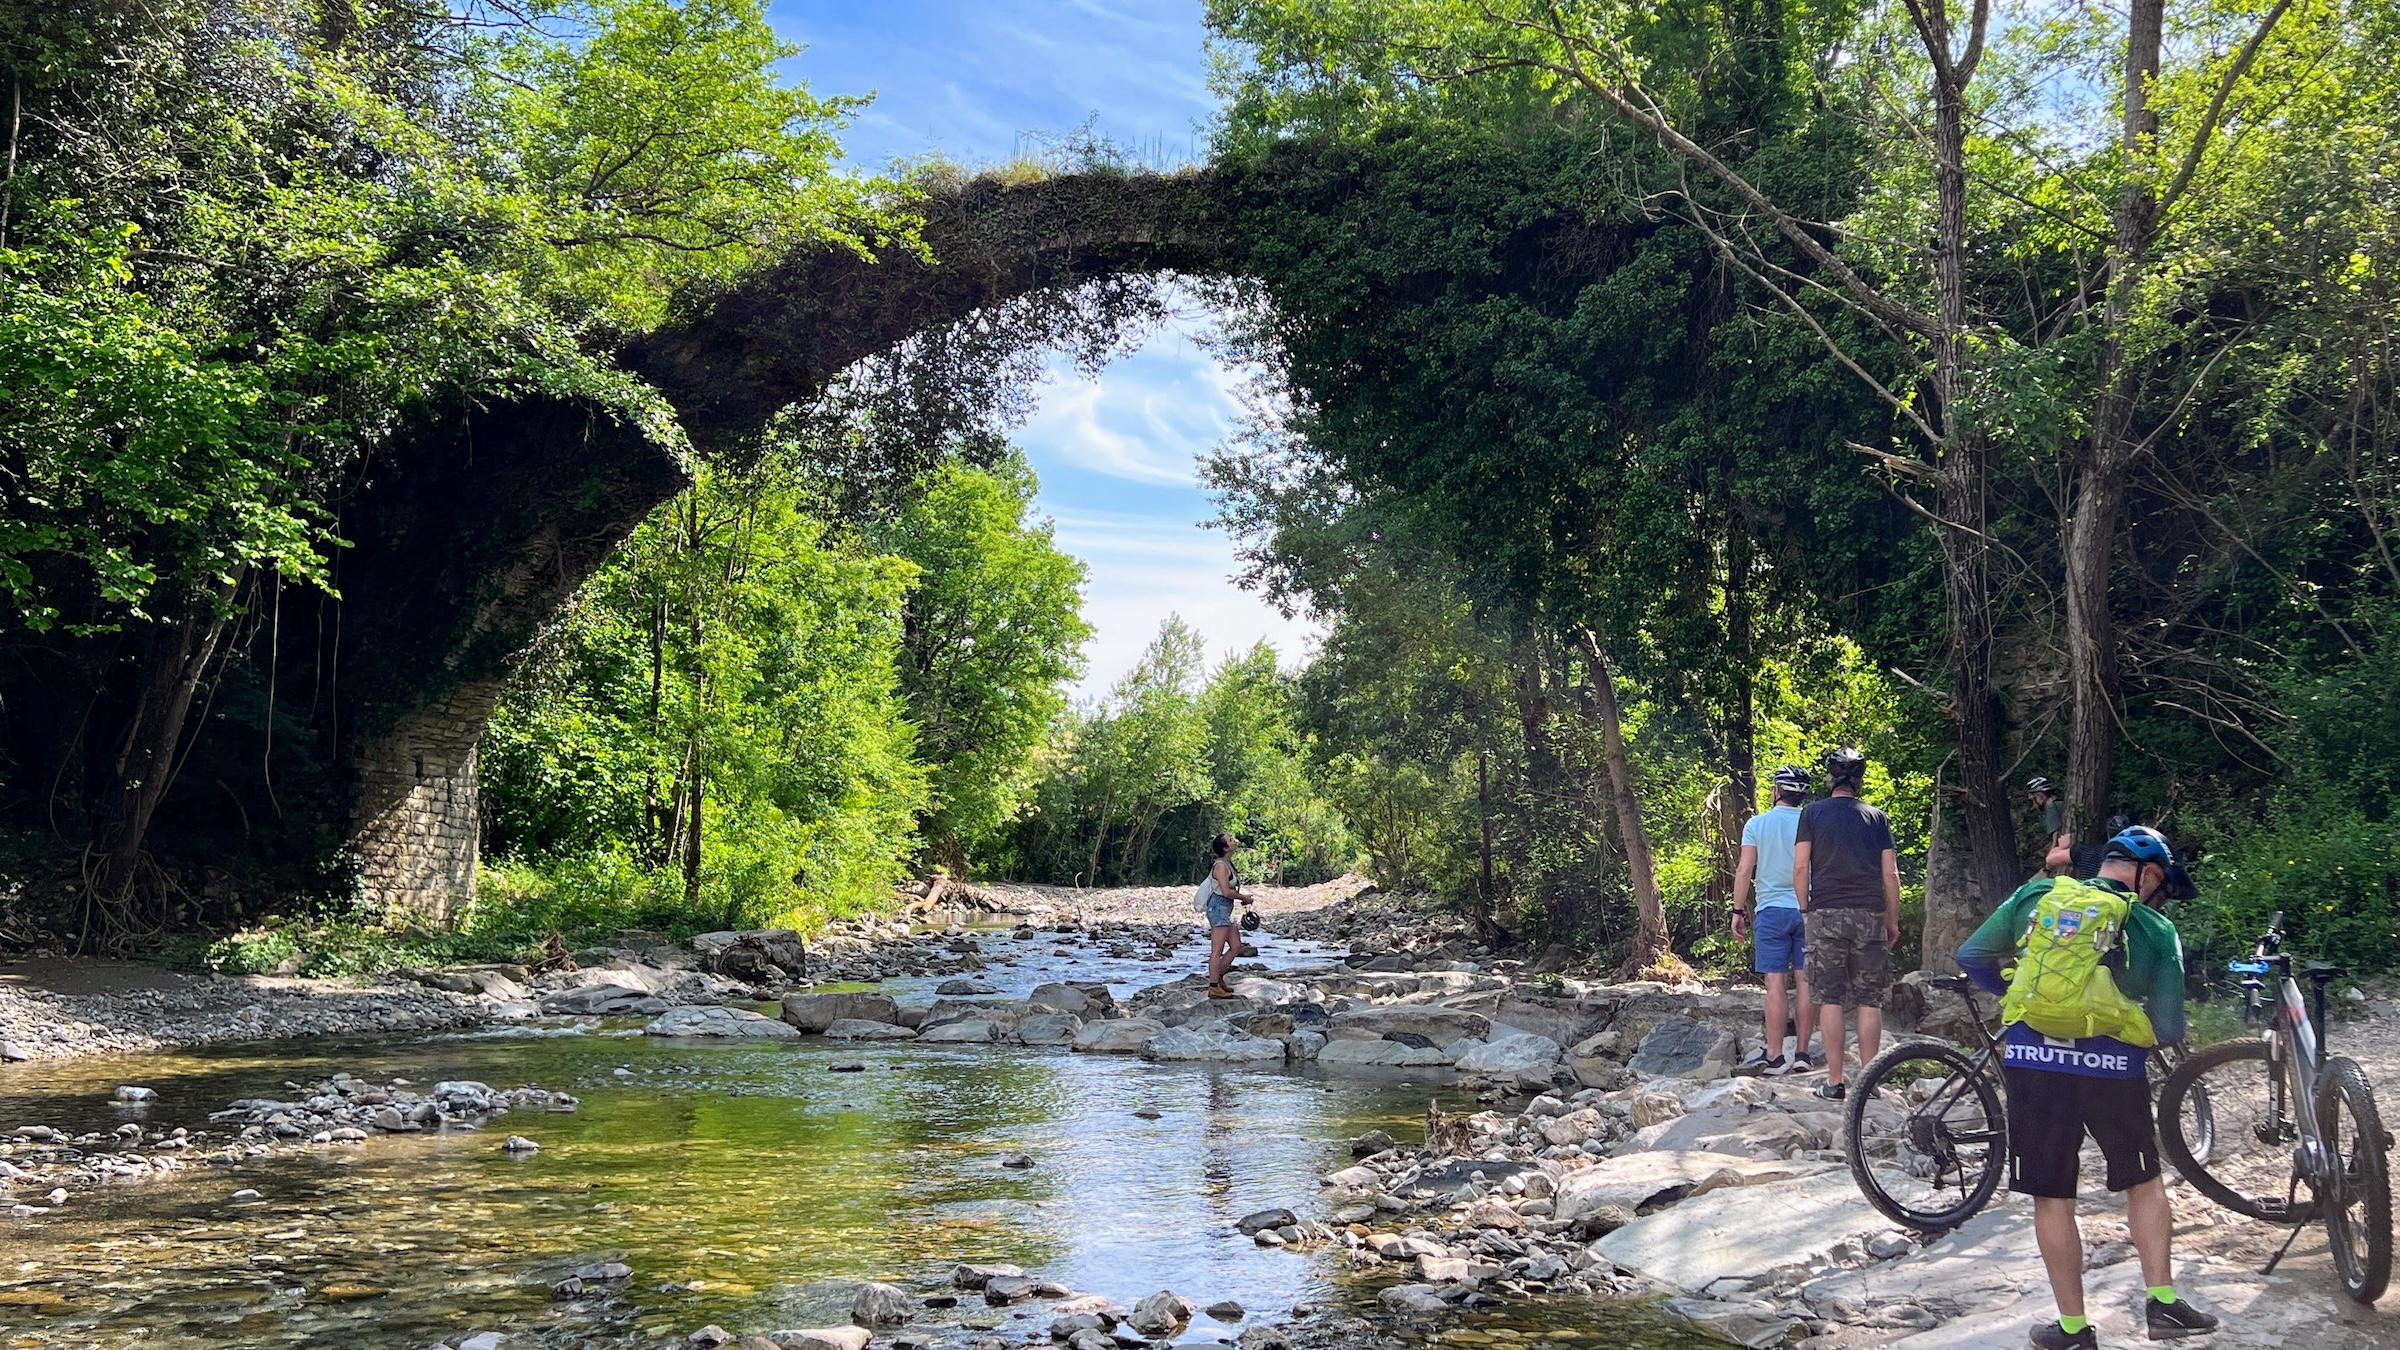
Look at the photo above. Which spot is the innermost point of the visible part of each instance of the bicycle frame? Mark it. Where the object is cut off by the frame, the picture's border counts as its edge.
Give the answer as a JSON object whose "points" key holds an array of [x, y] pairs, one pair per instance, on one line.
{"points": [[2295, 1051]]}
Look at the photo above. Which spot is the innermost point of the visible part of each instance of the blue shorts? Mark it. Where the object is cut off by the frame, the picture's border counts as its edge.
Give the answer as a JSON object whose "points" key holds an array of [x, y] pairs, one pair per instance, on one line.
{"points": [[1220, 911], [1781, 940]]}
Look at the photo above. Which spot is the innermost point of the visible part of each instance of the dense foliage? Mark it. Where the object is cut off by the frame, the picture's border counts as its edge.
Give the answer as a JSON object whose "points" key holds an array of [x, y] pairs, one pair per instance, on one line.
{"points": [[1555, 325]]}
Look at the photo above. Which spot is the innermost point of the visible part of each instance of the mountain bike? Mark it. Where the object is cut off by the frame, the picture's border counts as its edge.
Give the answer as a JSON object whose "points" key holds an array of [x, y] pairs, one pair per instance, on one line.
{"points": [[1926, 1124], [2283, 1116]]}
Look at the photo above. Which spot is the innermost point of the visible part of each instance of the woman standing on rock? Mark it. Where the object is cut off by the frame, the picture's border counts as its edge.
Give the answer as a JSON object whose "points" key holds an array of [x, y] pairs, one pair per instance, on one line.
{"points": [[1218, 890]]}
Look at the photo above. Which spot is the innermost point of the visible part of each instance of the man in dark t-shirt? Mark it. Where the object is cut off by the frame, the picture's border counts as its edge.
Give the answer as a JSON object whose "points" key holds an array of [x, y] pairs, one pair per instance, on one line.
{"points": [[1847, 876]]}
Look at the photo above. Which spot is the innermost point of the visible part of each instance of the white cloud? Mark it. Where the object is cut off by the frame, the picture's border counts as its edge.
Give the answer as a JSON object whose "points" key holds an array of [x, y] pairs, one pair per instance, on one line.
{"points": [[1144, 568], [1147, 419]]}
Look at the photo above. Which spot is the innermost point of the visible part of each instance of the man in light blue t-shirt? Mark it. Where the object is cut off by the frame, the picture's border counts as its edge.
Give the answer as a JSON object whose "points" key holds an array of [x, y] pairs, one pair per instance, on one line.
{"points": [[1780, 944]]}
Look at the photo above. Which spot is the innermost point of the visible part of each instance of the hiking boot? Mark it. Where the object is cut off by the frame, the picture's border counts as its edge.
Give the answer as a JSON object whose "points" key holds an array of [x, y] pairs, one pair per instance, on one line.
{"points": [[2171, 1321], [1775, 1068], [1220, 991], [2051, 1336], [1834, 1092]]}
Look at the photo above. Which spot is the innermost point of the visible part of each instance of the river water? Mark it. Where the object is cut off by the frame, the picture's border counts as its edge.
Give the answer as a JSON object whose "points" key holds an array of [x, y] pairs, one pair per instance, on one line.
{"points": [[744, 1184]]}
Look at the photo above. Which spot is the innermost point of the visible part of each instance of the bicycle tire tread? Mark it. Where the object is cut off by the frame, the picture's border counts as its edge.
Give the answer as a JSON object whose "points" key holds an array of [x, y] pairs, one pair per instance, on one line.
{"points": [[1990, 1096], [2171, 1092], [2345, 1082]]}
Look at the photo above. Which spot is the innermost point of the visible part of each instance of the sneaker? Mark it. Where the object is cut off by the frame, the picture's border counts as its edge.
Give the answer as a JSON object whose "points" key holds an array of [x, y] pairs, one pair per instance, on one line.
{"points": [[1775, 1068], [2170, 1321], [1834, 1092], [1800, 1064], [2051, 1336]]}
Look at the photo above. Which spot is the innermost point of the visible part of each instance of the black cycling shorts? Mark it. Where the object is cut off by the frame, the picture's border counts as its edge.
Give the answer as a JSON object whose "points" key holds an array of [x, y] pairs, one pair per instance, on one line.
{"points": [[2048, 1115]]}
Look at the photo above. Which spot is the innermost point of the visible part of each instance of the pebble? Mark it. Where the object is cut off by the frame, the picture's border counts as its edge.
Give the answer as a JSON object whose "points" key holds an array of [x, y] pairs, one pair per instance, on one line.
{"points": [[246, 1196]]}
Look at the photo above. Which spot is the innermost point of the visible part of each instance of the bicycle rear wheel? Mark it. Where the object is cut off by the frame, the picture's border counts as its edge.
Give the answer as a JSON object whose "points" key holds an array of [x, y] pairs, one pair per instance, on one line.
{"points": [[1927, 1136], [2358, 1200], [2224, 1124], [2198, 1118]]}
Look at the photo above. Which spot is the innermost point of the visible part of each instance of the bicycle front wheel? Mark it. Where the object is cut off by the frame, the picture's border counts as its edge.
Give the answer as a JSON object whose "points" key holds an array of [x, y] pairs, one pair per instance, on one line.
{"points": [[1928, 1138], [2224, 1123], [2358, 1199]]}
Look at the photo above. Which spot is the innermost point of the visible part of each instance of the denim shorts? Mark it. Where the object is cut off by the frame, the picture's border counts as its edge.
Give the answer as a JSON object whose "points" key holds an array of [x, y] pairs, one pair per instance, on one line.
{"points": [[1781, 940], [1220, 911]]}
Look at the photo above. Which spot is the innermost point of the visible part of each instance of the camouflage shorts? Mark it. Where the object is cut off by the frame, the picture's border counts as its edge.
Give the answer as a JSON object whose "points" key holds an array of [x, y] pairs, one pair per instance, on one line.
{"points": [[1849, 962]]}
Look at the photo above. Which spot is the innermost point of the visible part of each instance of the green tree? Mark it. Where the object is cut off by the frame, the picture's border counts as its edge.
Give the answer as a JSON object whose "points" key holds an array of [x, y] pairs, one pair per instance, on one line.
{"points": [[994, 632], [722, 705]]}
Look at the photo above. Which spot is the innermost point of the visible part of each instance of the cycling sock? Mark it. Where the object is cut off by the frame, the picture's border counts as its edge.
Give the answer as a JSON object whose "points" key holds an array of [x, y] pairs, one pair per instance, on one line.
{"points": [[2073, 1325], [2164, 1293]]}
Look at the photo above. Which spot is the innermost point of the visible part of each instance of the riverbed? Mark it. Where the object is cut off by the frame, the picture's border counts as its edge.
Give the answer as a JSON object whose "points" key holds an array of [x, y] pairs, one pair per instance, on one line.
{"points": [[746, 1185]]}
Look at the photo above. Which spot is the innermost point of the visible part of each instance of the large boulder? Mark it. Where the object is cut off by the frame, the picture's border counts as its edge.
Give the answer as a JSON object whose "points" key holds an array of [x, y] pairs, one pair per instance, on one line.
{"points": [[1515, 1055], [1381, 1055], [815, 1012], [727, 1022], [1209, 1043], [882, 1305], [1914, 1004], [1118, 1036], [1685, 1047], [1049, 1029], [1000, 1012], [1161, 1314], [754, 954], [860, 1029], [1059, 998], [604, 1000], [965, 1031], [1442, 1026]]}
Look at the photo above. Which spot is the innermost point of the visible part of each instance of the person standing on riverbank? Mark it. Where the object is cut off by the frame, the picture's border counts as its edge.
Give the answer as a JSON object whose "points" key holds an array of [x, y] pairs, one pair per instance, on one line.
{"points": [[2097, 982], [1218, 892], [1779, 947], [1846, 873], [2058, 833]]}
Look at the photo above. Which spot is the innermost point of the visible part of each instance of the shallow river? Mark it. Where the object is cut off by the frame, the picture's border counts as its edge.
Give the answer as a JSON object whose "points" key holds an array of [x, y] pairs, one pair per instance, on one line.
{"points": [[742, 1183]]}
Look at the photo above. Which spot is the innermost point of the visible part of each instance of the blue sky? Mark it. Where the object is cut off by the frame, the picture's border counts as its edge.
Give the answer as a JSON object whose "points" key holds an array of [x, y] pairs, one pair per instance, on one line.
{"points": [[1116, 456]]}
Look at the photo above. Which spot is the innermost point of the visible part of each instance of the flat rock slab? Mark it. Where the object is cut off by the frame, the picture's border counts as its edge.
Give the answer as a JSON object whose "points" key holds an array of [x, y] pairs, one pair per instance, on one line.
{"points": [[738, 1023], [1684, 1047], [1381, 1054], [1117, 1036], [1442, 1026], [1986, 1264], [1763, 1134], [1744, 1231], [1748, 1324], [2302, 1310], [1635, 1179]]}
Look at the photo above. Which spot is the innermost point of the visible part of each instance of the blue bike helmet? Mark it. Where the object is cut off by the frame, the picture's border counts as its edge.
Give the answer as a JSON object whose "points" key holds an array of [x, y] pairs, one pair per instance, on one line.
{"points": [[2141, 844]]}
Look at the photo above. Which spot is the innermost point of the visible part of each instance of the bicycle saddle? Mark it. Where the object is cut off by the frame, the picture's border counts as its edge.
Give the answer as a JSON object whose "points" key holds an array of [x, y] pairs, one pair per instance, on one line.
{"points": [[1957, 984], [2321, 972]]}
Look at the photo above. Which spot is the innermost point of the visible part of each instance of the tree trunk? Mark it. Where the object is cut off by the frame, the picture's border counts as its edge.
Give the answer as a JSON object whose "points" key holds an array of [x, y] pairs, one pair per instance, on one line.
{"points": [[147, 763], [1108, 794], [691, 839], [1963, 473], [1650, 937], [2091, 534]]}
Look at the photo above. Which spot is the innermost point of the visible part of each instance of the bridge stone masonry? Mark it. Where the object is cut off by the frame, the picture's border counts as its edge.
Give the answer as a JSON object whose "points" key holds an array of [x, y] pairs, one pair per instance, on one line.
{"points": [[417, 825]]}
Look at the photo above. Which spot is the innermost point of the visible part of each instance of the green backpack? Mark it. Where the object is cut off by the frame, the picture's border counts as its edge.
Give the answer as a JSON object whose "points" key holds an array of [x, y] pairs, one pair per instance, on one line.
{"points": [[2061, 986]]}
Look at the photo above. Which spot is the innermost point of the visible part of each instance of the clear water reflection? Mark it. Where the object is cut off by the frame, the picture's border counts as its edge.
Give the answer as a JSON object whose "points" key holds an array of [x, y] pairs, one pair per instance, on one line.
{"points": [[740, 1182]]}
